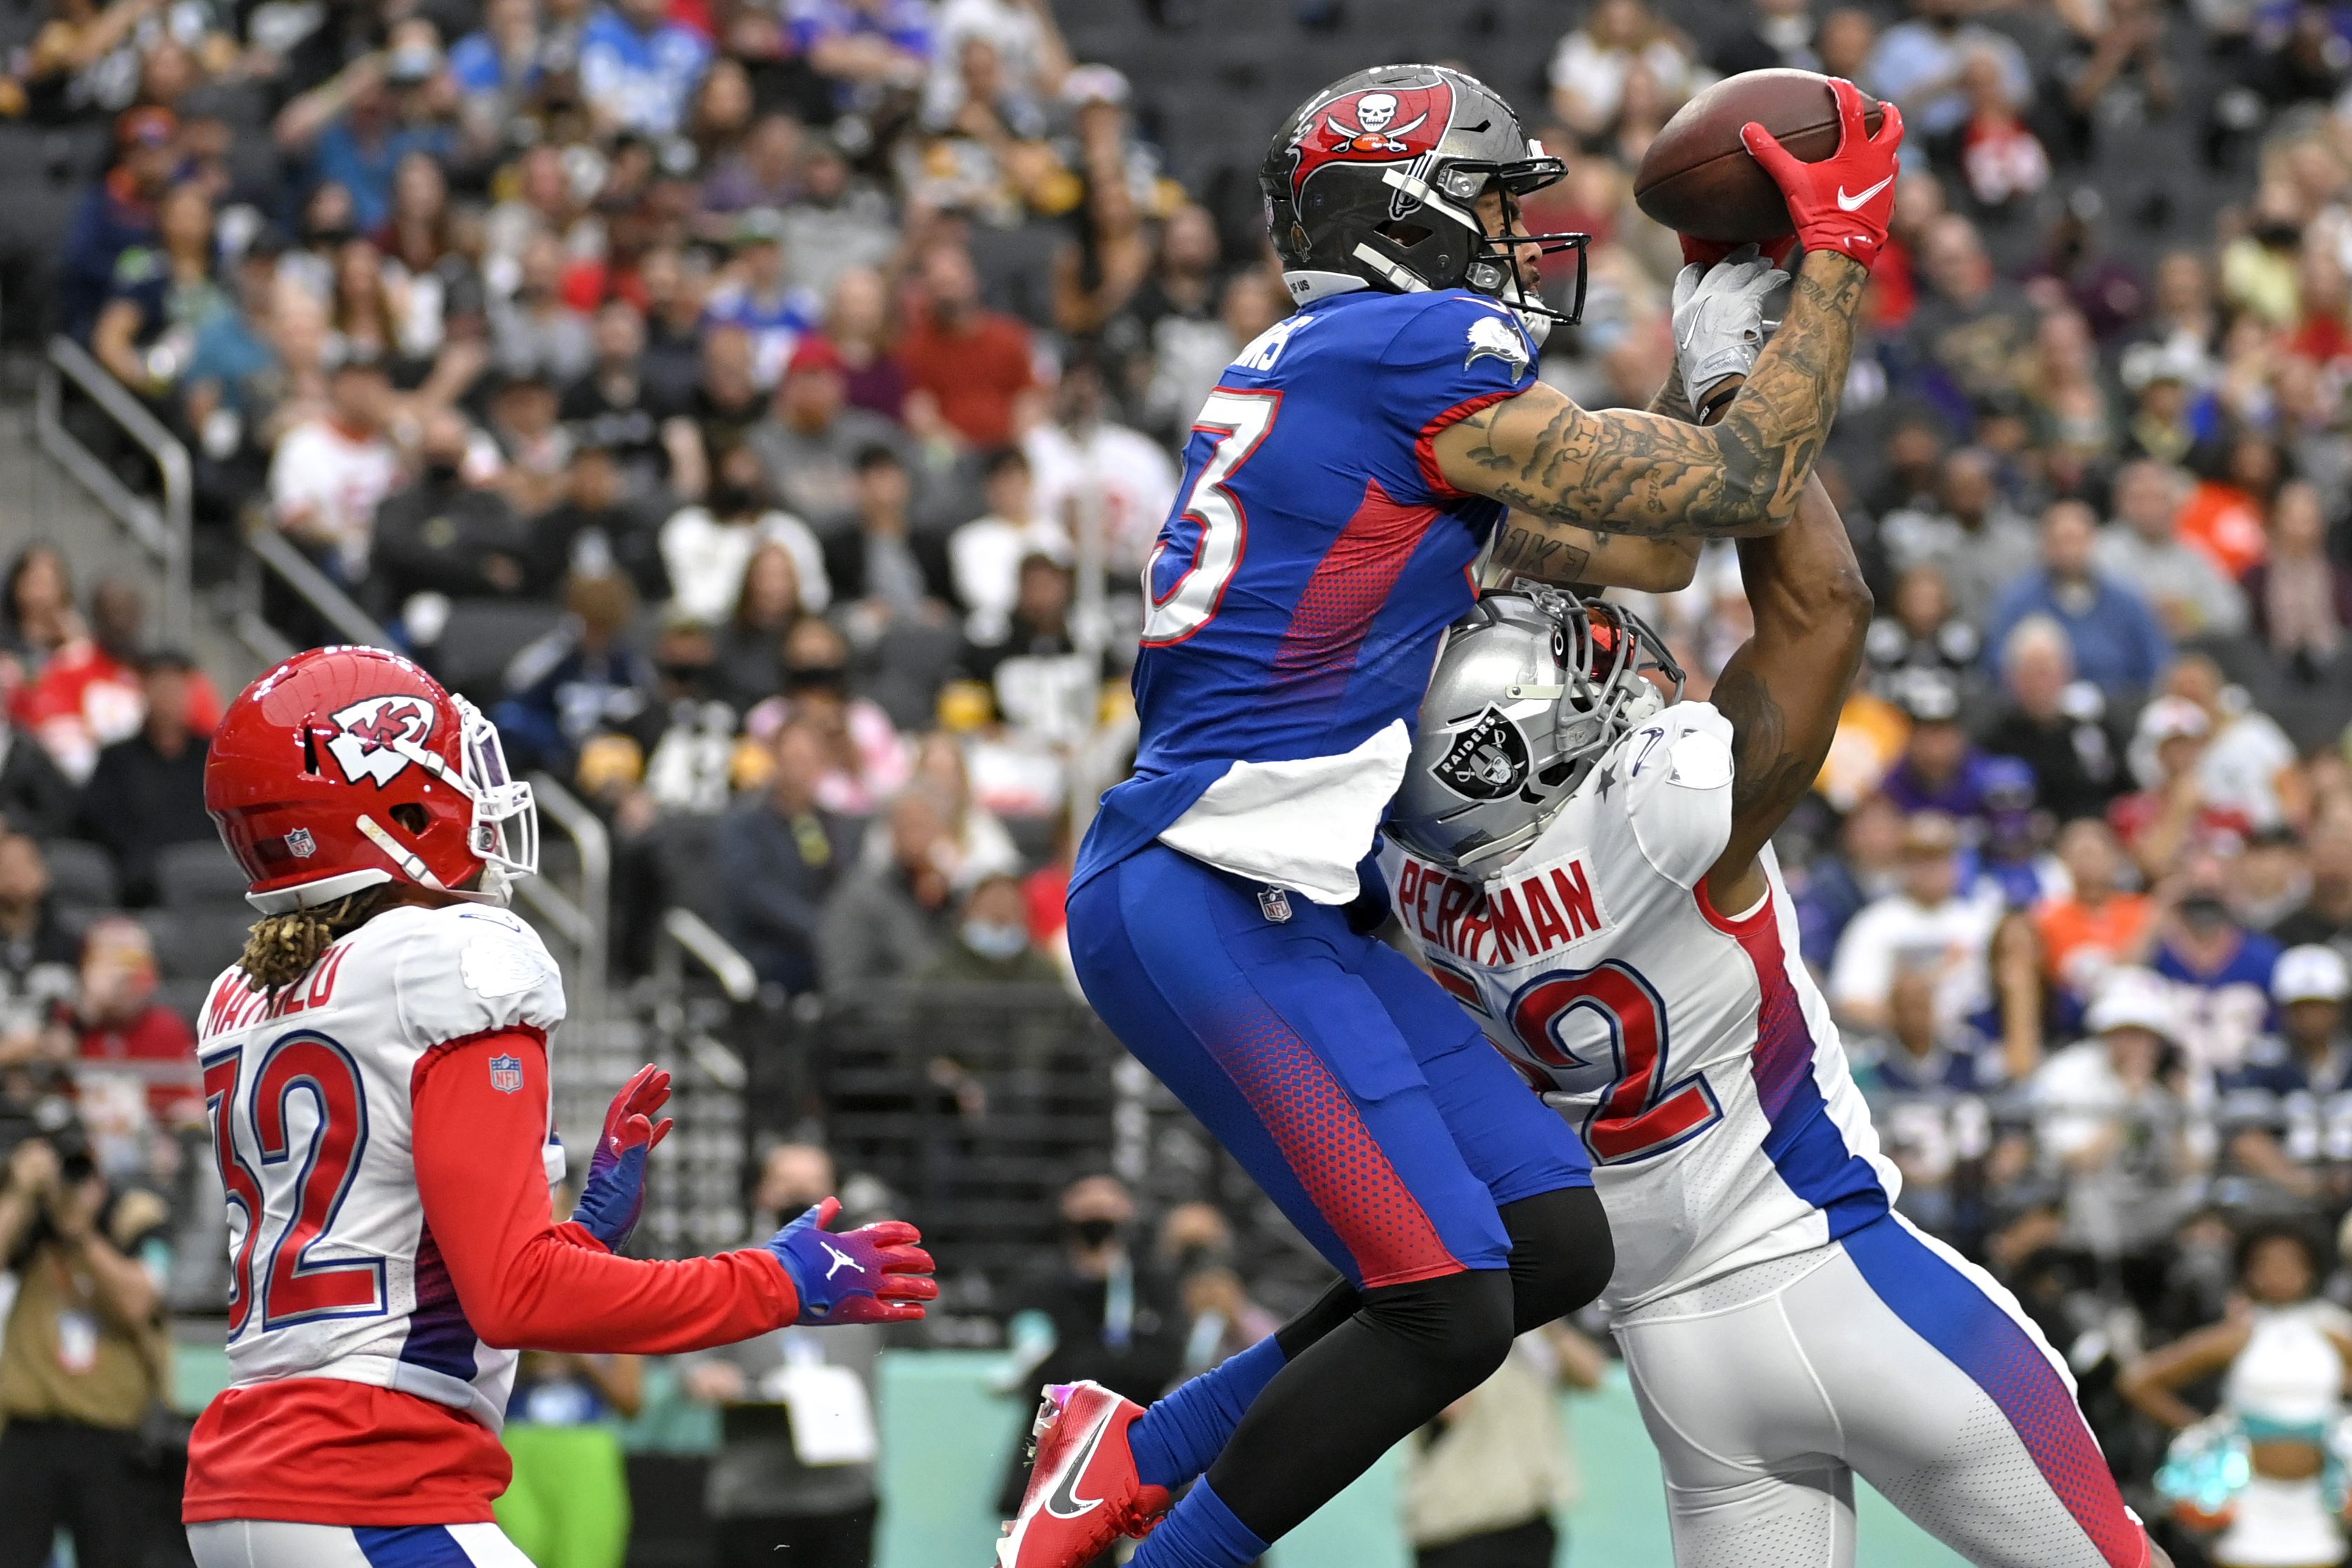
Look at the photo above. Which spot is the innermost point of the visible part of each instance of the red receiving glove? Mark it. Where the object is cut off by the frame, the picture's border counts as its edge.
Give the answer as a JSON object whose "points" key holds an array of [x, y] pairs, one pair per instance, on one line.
{"points": [[1844, 202], [1708, 252], [614, 1193]]}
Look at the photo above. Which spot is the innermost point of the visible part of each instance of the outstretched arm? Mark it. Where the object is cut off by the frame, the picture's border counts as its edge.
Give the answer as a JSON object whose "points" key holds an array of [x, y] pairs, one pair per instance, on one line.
{"points": [[1786, 686], [1533, 546], [1637, 473], [1634, 472]]}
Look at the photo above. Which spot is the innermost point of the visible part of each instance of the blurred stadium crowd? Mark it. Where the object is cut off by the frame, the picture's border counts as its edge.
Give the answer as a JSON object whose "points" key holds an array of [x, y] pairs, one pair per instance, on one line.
{"points": [[766, 406]]}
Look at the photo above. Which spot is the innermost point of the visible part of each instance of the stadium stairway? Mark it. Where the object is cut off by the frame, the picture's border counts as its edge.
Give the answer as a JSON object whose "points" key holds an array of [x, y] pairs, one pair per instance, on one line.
{"points": [[38, 500]]}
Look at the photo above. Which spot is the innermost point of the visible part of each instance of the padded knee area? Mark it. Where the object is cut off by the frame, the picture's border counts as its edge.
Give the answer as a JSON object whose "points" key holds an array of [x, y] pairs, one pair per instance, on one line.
{"points": [[1455, 1330], [1561, 1255]]}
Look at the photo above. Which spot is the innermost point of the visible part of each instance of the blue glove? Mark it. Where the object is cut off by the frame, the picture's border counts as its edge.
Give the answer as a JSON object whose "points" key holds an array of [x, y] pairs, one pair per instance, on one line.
{"points": [[873, 1274], [614, 1193]]}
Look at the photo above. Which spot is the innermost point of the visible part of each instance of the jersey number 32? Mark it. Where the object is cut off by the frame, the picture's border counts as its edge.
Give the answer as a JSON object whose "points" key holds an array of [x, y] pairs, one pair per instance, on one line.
{"points": [[304, 1175]]}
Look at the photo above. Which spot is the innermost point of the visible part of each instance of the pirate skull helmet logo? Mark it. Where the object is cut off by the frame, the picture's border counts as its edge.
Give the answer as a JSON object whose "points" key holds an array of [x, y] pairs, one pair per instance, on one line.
{"points": [[1487, 760]]}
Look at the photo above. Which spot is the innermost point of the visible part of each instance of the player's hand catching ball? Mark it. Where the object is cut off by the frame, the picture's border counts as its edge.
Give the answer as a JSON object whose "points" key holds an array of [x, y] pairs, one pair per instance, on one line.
{"points": [[1722, 316], [874, 1274], [613, 1196], [1844, 202]]}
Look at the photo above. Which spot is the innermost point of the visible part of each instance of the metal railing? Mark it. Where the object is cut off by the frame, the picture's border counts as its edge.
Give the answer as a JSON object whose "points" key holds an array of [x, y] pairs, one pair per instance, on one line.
{"points": [[276, 555], [687, 935], [163, 530]]}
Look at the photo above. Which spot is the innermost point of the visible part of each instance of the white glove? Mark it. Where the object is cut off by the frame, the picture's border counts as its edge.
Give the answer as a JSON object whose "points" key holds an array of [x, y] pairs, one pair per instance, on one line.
{"points": [[1723, 314]]}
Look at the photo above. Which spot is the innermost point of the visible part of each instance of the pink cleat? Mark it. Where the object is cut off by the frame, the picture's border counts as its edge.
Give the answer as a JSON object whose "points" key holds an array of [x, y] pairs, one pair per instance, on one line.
{"points": [[1083, 1492]]}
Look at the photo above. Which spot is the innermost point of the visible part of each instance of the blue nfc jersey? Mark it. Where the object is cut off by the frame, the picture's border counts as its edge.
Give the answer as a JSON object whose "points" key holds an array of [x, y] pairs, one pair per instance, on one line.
{"points": [[1297, 597]]}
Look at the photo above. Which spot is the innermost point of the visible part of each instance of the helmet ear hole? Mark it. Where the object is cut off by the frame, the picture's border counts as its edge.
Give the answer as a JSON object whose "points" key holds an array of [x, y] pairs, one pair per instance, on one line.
{"points": [[1406, 235], [411, 818]]}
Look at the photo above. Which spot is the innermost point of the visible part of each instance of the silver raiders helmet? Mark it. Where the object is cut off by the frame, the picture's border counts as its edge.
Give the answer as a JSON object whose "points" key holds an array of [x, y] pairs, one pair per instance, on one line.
{"points": [[1532, 687]]}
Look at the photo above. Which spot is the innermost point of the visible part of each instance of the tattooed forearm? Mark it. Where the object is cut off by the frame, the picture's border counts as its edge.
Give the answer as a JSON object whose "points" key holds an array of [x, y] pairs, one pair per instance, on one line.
{"points": [[1531, 553], [1639, 473]]}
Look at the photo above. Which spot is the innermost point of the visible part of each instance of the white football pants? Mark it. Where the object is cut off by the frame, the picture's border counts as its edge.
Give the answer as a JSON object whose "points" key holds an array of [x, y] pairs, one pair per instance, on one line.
{"points": [[1883, 1353], [268, 1543]]}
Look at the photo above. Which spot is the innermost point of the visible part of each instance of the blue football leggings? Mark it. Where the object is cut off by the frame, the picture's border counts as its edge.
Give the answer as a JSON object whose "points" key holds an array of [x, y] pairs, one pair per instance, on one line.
{"points": [[1376, 1115], [1358, 1095]]}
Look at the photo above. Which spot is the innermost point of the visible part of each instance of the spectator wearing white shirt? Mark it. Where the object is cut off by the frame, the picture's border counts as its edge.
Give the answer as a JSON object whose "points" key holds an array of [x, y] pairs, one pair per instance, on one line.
{"points": [[330, 473], [2112, 1119], [1024, 35], [705, 547], [2249, 766], [1083, 463], [984, 555], [1926, 924], [1591, 64]]}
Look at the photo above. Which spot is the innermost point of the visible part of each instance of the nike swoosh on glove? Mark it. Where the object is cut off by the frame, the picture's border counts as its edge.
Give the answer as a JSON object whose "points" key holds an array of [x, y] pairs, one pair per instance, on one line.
{"points": [[1723, 314], [1844, 202], [613, 1196], [874, 1274]]}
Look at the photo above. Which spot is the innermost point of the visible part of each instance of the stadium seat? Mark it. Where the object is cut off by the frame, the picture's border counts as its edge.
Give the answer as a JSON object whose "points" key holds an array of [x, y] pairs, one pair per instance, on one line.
{"points": [[197, 873], [198, 942], [81, 875], [482, 638]]}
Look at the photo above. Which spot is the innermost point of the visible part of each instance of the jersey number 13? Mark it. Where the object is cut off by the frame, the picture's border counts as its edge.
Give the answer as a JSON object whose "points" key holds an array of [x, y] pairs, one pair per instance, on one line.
{"points": [[1212, 520]]}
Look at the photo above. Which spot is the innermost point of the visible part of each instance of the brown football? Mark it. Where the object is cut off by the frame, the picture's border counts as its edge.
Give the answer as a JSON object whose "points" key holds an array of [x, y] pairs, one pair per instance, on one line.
{"points": [[1699, 179]]}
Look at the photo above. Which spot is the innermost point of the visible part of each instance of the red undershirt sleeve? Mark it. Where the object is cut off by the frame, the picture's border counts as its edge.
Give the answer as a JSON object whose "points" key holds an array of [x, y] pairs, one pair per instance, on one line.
{"points": [[527, 1282]]}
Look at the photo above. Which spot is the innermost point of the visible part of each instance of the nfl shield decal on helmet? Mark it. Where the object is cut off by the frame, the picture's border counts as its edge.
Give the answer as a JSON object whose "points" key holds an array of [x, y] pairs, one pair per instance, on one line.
{"points": [[300, 844], [369, 729], [1487, 760], [506, 1074]]}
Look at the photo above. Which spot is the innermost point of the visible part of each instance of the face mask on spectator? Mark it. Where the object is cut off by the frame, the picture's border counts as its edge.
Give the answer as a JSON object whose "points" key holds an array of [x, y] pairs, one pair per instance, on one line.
{"points": [[2204, 911], [990, 940], [1092, 1233], [817, 678]]}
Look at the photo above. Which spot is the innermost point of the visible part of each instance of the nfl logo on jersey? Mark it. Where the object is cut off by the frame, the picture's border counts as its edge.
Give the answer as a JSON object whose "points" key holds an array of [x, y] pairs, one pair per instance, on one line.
{"points": [[506, 1074]]}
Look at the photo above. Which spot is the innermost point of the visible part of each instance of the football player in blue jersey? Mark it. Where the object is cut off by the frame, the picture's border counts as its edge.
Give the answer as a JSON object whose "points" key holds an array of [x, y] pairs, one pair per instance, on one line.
{"points": [[1341, 482]]}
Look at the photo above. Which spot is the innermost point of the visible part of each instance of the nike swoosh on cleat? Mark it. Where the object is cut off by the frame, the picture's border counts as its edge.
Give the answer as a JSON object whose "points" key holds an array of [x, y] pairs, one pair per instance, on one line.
{"points": [[1063, 1501], [1855, 203]]}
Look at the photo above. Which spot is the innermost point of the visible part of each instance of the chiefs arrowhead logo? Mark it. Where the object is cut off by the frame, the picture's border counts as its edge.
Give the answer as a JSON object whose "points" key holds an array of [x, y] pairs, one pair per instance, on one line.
{"points": [[1381, 125], [1487, 760], [363, 749]]}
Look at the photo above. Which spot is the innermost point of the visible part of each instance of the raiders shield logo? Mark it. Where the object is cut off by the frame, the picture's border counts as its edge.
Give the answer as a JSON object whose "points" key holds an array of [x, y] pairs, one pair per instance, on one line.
{"points": [[1487, 760]]}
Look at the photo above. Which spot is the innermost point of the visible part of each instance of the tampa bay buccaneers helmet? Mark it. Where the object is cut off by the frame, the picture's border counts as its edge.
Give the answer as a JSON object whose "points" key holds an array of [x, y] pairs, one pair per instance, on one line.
{"points": [[1374, 181], [1532, 688], [345, 767]]}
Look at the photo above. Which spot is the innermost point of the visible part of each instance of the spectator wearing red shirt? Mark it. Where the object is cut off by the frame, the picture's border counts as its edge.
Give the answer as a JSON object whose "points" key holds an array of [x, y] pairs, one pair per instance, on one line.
{"points": [[973, 365], [122, 1034], [86, 695], [2228, 514]]}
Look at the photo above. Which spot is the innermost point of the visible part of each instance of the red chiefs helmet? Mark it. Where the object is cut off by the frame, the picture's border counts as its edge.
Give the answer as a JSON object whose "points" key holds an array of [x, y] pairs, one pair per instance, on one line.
{"points": [[344, 767]]}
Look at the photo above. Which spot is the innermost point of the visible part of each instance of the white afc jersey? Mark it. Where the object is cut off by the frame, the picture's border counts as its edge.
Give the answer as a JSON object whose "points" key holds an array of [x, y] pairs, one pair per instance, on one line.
{"points": [[333, 1272], [1689, 1046]]}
